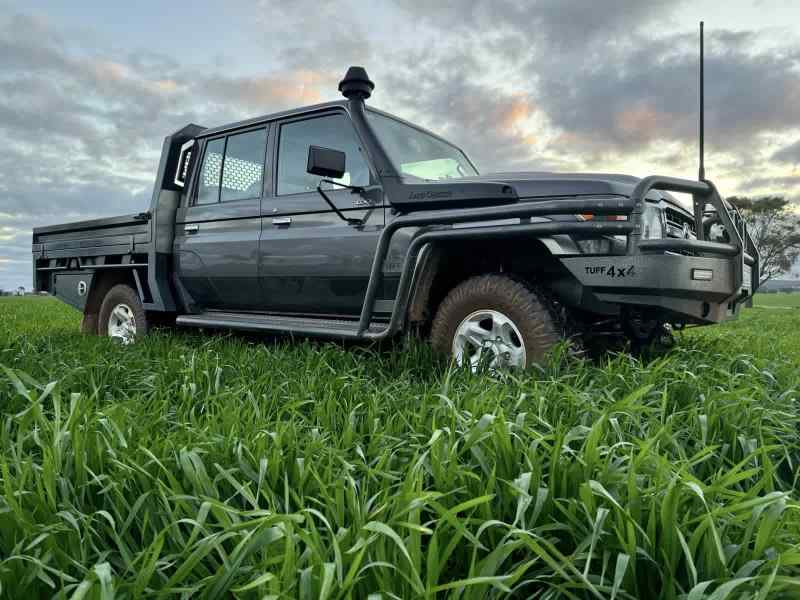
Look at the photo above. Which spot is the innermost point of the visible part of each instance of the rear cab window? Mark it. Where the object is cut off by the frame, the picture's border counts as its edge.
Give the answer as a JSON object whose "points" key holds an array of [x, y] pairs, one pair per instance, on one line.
{"points": [[233, 168], [208, 184]]}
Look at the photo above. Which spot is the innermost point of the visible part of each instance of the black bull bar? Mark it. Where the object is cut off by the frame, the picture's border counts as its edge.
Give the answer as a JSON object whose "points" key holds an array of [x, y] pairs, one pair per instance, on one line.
{"points": [[740, 247]]}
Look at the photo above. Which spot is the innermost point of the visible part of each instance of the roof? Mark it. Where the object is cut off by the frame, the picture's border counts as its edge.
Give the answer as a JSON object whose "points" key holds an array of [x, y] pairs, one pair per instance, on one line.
{"points": [[273, 116], [303, 110]]}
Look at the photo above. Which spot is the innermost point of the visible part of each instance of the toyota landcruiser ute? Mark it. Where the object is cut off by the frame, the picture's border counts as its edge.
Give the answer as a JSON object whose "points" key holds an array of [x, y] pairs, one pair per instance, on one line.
{"points": [[342, 221]]}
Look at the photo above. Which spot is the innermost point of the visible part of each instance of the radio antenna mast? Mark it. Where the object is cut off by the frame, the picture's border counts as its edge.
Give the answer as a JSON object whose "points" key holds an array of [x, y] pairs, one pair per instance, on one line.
{"points": [[702, 171]]}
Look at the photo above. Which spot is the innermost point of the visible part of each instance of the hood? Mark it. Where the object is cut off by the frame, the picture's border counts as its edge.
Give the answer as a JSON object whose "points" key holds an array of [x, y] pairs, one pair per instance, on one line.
{"points": [[534, 184], [502, 188]]}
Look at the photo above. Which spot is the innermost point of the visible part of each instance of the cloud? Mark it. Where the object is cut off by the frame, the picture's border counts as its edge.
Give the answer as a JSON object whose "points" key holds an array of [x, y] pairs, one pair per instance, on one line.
{"points": [[787, 182], [608, 80], [648, 94], [788, 154], [560, 25], [328, 36], [295, 88], [116, 107], [495, 132]]}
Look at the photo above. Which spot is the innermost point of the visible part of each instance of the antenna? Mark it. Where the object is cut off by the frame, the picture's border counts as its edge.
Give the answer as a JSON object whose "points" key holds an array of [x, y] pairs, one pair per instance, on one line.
{"points": [[702, 171]]}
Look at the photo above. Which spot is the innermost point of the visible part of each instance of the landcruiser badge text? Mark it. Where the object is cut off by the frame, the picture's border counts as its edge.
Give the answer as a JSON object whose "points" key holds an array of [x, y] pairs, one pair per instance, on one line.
{"points": [[612, 271], [429, 195]]}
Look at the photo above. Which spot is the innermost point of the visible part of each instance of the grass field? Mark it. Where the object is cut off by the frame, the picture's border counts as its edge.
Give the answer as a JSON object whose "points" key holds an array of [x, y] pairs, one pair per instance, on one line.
{"points": [[230, 467], [779, 300]]}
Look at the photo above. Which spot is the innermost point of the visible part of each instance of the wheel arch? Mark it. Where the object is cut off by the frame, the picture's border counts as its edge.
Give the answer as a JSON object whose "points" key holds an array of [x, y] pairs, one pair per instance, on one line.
{"points": [[102, 282], [443, 265]]}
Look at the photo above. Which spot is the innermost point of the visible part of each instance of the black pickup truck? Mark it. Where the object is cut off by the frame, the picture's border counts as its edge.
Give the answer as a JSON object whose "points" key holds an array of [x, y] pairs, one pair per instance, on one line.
{"points": [[342, 221]]}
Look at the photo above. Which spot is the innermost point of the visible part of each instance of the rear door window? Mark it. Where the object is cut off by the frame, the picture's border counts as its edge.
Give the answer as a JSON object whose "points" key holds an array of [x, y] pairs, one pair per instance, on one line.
{"points": [[208, 186], [243, 169], [233, 168]]}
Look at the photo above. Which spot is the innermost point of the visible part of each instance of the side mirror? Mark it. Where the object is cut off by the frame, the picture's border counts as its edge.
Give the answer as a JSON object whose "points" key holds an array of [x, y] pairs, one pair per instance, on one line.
{"points": [[325, 162]]}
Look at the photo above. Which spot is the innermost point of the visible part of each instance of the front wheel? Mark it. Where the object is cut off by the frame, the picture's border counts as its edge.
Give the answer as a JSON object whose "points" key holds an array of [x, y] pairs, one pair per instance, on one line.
{"points": [[494, 321], [122, 315]]}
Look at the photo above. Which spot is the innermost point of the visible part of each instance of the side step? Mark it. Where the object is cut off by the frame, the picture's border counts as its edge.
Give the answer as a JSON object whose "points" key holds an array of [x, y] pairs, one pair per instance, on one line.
{"points": [[307, 326]]}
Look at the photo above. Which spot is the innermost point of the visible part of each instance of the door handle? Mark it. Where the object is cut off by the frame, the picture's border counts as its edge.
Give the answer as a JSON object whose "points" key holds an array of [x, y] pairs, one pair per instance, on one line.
{"points": [[286, 221], [191, 228]]}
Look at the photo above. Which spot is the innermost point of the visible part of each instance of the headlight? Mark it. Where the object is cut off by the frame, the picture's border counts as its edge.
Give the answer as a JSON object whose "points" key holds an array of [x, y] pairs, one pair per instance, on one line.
{"points": [[652, 222]]}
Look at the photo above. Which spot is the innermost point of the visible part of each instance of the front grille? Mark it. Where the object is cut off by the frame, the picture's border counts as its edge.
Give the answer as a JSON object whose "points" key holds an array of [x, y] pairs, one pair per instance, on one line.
{"points": [[678, 224]]}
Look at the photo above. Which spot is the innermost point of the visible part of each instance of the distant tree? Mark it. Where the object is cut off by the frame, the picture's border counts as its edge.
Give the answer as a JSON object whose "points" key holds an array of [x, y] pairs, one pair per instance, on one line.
{"points": [[774, 224]]}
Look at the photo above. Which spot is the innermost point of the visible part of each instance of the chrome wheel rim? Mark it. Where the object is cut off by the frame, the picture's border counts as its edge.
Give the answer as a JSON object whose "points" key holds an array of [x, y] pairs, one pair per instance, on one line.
{"points": [[122, 324], [488, 338]]}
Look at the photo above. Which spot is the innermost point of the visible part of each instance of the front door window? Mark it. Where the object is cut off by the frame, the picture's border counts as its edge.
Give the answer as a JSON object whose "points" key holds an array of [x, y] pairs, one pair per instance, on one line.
{"points": [[331, 131]]}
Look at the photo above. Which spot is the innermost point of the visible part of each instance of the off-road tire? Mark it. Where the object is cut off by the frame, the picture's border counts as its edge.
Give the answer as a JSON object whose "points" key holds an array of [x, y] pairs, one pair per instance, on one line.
{"points": [[123, 294], [512, 297]]}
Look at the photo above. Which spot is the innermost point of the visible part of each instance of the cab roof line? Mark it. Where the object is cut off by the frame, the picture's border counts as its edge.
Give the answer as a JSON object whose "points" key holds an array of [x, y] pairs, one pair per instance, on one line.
{"points": [[273, 117], [305, 110]]}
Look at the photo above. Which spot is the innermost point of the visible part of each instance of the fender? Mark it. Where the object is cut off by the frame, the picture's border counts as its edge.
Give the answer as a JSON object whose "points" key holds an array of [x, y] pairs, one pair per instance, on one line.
{"points": [[101, 282], [427, 268]]}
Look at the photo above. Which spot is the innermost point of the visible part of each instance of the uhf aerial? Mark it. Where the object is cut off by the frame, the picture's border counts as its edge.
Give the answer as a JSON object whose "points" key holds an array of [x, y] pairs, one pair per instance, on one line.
{"points": [[702, 171]]}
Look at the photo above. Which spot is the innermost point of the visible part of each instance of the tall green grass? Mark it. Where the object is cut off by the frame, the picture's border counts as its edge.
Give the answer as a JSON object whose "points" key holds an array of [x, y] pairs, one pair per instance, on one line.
{"points": [[778, 300], [231, 467]]}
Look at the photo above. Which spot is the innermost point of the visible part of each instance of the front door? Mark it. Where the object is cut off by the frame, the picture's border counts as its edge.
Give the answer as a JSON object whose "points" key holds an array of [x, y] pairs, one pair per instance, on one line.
{"points": [[217, 234], [311, 261]]}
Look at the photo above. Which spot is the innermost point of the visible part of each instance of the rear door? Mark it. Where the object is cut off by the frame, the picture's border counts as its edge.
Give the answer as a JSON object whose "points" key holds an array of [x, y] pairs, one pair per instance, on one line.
{"points": [[312, 262], [217, 233]]}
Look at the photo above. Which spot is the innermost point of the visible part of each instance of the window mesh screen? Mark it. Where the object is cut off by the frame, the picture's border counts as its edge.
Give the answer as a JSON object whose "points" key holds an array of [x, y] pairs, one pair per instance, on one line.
{"points": [[239, 159], [240, 174], [211, 168]]}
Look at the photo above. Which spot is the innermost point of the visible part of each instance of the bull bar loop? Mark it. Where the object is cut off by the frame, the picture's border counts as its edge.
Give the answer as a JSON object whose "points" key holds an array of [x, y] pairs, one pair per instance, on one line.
{"points": [[703, 193]]}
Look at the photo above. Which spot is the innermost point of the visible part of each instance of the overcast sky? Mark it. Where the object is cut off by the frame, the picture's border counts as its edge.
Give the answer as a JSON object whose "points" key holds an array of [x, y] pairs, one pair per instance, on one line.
{"points": [[89, 89]]}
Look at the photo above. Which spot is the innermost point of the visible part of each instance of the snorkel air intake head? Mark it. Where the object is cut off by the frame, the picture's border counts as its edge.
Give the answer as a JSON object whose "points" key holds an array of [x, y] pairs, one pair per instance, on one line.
{"points": [[356, 84]]}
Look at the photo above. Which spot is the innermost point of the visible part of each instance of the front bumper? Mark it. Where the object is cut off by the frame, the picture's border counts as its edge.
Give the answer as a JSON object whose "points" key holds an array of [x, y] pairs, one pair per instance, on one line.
{"points": [[666, 282], [692, 281]]}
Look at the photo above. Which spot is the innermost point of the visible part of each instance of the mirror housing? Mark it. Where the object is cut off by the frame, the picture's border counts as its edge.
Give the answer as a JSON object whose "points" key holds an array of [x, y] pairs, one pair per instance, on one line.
{"points": [[325, 162]]}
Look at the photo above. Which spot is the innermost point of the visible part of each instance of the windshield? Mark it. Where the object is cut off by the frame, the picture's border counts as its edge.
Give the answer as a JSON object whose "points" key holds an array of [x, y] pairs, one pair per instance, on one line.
{"points": [[417, 153]]}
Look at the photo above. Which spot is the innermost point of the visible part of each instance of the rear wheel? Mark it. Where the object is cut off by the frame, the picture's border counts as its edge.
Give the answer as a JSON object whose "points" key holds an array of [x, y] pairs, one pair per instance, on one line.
{"points": [[494, 321], [122, 316]]}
